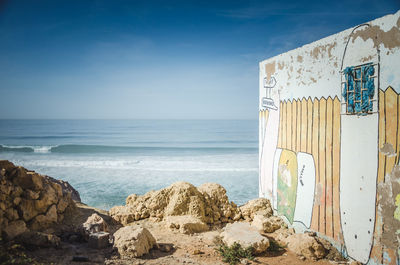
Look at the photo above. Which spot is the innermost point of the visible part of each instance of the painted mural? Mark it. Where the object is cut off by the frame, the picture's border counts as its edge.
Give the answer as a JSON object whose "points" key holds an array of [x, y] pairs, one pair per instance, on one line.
{"points": [[330, 139]]}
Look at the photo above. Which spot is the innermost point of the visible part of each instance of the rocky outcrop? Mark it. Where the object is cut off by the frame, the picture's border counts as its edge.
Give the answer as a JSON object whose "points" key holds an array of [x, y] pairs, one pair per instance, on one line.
{"points": [[208, 202], [29, 201], [67, 188], [246, 235], [217, 205], [186, 224], [133, 241]]}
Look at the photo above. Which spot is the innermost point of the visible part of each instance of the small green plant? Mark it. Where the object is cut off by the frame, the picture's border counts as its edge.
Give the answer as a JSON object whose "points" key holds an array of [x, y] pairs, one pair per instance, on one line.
{"points": [[235, 253], [274, 246]]}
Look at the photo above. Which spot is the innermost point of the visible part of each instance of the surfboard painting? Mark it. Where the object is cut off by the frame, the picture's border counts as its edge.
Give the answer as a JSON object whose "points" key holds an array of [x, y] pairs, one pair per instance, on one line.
{"points": [[358, 173], [287, 184], [277, 158], [305, 189], [269, 143]]}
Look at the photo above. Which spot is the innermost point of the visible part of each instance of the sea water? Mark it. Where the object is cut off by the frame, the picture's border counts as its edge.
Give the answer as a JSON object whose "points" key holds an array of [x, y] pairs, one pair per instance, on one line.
{"points": [[106, 160]]}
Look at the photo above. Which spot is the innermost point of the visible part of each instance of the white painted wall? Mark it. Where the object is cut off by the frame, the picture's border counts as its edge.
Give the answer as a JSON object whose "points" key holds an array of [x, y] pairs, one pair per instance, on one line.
{"points": [[314, 70]]}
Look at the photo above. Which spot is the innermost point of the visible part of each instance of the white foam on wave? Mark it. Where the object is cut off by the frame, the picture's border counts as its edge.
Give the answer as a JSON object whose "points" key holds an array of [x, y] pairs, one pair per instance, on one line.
{"points": [[35, 148], [146, 163], [42, 149]]}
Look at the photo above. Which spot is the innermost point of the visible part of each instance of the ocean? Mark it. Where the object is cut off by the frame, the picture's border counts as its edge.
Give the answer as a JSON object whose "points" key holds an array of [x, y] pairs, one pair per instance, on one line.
{"points": [[106, 160]]}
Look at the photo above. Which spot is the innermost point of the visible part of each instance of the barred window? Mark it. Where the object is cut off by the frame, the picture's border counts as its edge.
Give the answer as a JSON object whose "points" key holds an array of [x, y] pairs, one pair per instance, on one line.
{"points": [[358, 89]]}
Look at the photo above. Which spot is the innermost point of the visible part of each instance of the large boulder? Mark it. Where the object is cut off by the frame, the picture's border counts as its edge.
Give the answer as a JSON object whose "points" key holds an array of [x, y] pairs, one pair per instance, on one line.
{"points": [[306, 246], [132, 241], [94, 224], [186, 224], [260, 206], [267, 224], [246, 235], [29, 201]]}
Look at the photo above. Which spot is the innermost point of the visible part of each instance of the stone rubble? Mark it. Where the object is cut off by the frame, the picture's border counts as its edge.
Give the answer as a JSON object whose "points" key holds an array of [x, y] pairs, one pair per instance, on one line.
{"points": [[32, 205]]}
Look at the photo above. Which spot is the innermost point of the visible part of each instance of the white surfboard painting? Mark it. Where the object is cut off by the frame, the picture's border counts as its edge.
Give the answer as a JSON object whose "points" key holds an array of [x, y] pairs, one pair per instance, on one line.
{"points": [[269, 145], [305, 189], [358, 173]]}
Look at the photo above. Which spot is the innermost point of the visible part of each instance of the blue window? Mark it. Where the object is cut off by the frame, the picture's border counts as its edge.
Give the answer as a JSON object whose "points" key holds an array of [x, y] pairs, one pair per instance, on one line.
{"points": [[359, 89]]}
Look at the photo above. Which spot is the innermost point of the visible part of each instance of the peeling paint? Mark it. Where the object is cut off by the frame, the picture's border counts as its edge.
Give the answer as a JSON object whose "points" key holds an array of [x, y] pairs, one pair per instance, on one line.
{"points": [[366, 59], [390, 39], [313, 80], [330, 47], [281, 65], [270, 69], [388, 150], [300, 59], [321, 49], [387, 207]]}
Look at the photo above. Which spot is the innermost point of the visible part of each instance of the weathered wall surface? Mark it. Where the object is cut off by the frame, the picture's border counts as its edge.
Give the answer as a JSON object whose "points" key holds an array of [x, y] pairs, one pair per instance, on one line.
{"points": [[330, 138]]}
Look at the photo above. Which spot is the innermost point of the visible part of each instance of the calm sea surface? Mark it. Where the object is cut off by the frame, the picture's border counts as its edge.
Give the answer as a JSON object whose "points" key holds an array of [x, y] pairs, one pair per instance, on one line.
{"points": [[106, 160]]}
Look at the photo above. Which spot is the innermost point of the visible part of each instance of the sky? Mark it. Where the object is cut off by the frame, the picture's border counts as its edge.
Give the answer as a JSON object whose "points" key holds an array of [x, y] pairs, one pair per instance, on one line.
{"points": [[154, 59]]}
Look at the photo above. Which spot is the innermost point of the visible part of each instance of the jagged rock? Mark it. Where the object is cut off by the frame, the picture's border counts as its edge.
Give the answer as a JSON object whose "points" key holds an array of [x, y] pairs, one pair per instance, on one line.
{"points": [[32, 195], [282, 234], [217, 203], [11, 214], [41, 221], [208, 202], [99, 240], [245, 235], [28, 209], [122, 214], [267, 224], [331, 252], [186, 224], [26, 179], [305, 245], [66, 188], [95, 223], [30, 198], [133, 241], [38, 239], [260, 206], [14, 229]]}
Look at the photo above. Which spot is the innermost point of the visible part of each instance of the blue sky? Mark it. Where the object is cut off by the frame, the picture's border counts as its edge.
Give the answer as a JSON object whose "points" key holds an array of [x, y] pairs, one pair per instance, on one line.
{"points": [[154, 59]]}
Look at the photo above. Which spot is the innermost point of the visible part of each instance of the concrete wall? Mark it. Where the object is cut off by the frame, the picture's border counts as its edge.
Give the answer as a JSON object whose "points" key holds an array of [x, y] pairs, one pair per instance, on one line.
{"points": [[330, 138]]}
